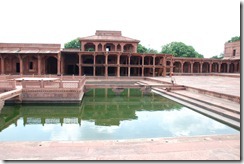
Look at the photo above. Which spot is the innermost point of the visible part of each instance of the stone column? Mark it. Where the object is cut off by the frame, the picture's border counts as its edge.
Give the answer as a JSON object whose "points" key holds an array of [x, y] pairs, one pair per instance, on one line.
{"points": [[21, 64], [219, 70], [154, 65], [182, 67], [118, 65], [94, 65], [210, 67], [79, 64], [228, 67], [142, 69], [59, 63], [171, 66], [129, 66], [201, 67], [235, 67], [39, 64], [106, 64], [2, 65], [164, 66], [191, 67]]}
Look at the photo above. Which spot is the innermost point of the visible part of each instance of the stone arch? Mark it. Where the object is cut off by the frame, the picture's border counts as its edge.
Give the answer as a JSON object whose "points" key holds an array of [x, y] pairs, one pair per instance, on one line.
{"points": [[90, 47], [215, 67], [148, 60], [128, 48], [187, 67], [223, 68], [205, 67], [100, 47], [136, 60], [11, 65], [109, 47], [196, 67], [30, 64], [51, 65], [232, 68], [177, 67], [70, 64], [119, 47]]}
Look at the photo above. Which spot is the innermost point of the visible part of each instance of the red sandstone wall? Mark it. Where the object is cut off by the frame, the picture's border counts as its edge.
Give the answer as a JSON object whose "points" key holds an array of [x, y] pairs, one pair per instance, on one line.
{"points": [[230, 47]]}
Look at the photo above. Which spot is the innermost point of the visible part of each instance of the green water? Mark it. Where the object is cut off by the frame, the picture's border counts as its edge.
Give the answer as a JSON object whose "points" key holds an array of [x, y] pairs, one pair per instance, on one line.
{"points": [[102, 115]]}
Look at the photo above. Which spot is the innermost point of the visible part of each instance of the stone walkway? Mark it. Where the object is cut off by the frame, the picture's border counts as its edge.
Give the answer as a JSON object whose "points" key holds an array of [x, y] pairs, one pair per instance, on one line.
{"points": [[220, 84], [223, 147]]}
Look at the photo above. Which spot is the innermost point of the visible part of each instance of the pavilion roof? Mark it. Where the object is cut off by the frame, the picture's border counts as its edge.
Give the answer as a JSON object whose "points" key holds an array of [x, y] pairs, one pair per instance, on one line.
{"points": [[108, 36]]}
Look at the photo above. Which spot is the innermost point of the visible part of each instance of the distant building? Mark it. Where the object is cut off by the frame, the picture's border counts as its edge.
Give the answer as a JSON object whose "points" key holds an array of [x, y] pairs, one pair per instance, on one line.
{"points": [[108, 53]]}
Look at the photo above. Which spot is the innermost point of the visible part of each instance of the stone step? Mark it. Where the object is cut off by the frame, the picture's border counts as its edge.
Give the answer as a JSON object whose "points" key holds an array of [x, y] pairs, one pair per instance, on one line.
{"points": [[230, 118], [220, 103]]}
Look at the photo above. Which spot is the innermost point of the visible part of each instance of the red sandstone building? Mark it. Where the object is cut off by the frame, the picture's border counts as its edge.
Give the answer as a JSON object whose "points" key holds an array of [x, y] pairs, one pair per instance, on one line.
{"points": [[108, 53]]}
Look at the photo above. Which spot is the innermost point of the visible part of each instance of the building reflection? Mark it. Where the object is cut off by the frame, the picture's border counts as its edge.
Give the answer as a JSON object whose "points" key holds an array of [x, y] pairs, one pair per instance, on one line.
{"points": [[100, 106]]}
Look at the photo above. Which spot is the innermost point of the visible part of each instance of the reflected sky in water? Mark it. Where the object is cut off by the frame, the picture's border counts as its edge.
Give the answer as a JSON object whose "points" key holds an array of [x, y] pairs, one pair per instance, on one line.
{"points": [[103, 116]]}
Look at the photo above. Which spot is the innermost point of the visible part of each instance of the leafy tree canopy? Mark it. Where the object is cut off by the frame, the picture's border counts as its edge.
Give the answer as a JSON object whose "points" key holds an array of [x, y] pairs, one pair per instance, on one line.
{"points": [[234, 39], [142, 49], [220, 56], [179, 49], [73, 44]]}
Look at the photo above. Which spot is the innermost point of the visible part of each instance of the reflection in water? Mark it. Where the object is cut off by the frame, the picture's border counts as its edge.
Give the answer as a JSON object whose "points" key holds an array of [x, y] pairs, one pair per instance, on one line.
{"points": [[103, 115]]}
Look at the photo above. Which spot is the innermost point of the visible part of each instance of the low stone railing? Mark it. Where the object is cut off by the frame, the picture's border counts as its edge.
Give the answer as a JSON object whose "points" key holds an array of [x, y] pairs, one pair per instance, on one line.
{"points": [[53, 84], [53, 91], [7, 84]]}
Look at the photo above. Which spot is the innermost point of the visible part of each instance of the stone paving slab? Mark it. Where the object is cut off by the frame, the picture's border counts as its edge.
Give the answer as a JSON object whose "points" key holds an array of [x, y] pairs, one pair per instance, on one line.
{"points": [[220, 84], [216, 147]]}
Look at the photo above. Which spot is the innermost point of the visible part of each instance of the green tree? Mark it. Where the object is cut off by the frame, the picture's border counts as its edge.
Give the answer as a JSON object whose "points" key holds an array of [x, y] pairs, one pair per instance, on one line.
{"points": [[142, 49], [73, 44], [179, 49], [234, 39], [220, 56]]}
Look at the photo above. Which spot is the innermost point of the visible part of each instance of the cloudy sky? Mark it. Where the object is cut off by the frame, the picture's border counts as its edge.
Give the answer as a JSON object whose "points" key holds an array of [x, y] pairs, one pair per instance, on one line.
{"points": [[204, 24]]}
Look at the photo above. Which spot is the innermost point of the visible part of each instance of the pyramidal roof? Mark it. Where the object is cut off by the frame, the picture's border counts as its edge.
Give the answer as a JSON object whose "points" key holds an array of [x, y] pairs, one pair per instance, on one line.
{"points": [[102, 35]]}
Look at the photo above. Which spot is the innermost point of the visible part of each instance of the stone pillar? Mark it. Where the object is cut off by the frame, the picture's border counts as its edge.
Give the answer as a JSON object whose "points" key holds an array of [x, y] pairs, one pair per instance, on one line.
{"points": [[79, 64], [201, 67], [210, 67], [191, 67], [182, 67], [21, 64], [118, 65], [154, 65], [129, 66], [219, 70], [96, 47], [142, 69], [59, 63], [83, 46], [228, 67], [39, 64], [171, 66], [164, 66], [2, 65], [102, 47], [235, 67]]}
